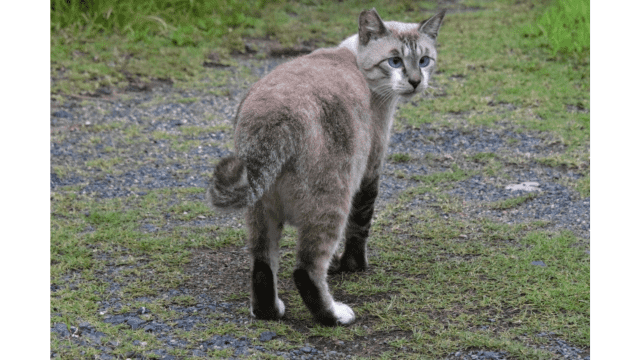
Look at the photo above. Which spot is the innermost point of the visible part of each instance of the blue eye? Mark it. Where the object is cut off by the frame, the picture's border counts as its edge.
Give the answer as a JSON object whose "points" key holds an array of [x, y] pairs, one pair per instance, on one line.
{"points": [[424, 61], [395, 62]]}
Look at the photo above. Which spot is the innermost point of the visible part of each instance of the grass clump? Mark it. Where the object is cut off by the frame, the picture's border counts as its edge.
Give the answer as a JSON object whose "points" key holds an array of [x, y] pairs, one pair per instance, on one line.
{"points": [[400, 158], [513, 202], [483, 157], [452, 175]]}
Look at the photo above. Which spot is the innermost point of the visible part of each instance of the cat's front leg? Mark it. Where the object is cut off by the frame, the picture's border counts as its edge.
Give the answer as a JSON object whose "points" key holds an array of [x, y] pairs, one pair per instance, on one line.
{"points": [[354, 257], [264, 230]]}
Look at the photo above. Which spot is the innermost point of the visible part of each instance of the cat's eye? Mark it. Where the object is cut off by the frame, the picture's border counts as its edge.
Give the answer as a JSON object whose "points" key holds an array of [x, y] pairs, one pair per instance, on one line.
{"points": [[424, 61], [395, 62]]}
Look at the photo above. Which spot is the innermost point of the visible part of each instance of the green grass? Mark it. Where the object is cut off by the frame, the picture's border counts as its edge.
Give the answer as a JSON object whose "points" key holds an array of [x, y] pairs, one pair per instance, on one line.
{"points": [[564, 27], [482, 157], [452, 175], [183, 22], [400, 158], [512, 202]]}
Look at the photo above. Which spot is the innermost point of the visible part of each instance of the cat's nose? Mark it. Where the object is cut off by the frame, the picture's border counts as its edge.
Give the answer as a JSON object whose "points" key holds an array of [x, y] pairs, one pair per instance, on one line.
{"points": [[414, 83]]}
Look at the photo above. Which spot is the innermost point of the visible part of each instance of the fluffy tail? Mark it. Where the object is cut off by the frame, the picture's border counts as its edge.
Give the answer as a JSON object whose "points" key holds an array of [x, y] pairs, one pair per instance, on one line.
{"points": [[229, 186], [240, 180]]}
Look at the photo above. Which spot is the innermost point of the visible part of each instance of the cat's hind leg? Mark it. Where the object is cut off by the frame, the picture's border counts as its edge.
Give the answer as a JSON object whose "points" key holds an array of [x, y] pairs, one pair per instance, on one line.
{"points": [[317, 243], [354, 257], [264, 232]]}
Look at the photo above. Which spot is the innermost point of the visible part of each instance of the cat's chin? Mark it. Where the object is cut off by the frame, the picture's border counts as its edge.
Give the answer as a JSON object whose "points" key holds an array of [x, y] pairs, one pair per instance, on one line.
{"points": [[409, 94]]}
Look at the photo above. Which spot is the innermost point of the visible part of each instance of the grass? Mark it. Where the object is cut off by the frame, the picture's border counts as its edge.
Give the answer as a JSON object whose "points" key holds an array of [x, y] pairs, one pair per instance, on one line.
{"points": [[400, 158], [563, 27], [512, 202], [436, 285], [452, 175], [483, 157]]}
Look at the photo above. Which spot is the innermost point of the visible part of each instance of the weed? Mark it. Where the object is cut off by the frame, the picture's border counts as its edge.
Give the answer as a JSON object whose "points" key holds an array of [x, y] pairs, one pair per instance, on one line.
{"points": [[187, 100], [104, 164], [512, 202], [454, 174], [482, 157], [584, 186], [400, 157]]}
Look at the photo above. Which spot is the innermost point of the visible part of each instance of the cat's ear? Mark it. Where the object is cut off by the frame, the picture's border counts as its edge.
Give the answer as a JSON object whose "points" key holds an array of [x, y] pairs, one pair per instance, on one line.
{"points": [[370, 26], [431, 26]]}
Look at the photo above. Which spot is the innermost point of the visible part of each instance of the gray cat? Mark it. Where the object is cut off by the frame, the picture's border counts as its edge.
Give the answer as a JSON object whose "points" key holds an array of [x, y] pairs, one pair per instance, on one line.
{"points": [[310, 140]]}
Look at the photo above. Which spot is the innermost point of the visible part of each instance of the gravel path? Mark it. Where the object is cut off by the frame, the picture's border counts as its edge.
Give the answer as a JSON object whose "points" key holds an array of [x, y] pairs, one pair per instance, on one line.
{"points": [[104, 169]]}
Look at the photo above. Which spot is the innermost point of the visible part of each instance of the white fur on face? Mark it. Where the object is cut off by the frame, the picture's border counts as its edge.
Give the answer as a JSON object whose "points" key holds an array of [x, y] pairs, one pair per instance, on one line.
{"points": [[397, 82]]}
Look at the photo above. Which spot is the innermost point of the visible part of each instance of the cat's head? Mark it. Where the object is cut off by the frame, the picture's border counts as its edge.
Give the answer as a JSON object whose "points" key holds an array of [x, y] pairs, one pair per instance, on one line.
{"points": [[397, 59]]}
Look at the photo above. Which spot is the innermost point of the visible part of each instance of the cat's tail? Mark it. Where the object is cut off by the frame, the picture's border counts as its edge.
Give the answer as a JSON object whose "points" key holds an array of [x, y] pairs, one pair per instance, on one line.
{"points": [[240, 180], [229, 186]]}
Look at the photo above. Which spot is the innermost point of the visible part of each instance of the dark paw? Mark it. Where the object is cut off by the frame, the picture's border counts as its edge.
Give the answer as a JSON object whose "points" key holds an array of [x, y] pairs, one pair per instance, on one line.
{"points": [[271, 313], [347, 263]]}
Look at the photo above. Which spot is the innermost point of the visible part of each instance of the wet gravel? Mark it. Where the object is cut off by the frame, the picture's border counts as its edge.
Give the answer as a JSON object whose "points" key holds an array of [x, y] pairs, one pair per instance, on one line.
{"points": [[139, 162], [561, 349], [563, 208]]}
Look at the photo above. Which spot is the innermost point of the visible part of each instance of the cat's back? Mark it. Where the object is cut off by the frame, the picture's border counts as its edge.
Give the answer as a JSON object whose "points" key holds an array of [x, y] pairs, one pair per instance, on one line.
{"points": [[307, 84]]}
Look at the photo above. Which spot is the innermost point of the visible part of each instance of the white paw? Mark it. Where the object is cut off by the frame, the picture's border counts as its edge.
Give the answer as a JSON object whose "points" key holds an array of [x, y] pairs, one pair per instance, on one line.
{"points": [[280, 306], [344, 314]]}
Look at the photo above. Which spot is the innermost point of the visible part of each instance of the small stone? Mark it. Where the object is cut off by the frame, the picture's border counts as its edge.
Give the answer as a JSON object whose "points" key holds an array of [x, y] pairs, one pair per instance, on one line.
{"points": [[267, 335], [62, 114], [306, 349], [135, 322], [526, 186], [538, 263], [199, 353]]}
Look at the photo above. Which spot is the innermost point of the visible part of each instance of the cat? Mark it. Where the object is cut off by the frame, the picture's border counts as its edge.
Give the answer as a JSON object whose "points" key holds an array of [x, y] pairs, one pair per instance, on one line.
{"points": [[310, 141]]}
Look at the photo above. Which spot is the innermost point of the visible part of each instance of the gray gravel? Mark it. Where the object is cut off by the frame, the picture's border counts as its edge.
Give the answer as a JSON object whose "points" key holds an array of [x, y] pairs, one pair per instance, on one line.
{"points": [[156, 165]]}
